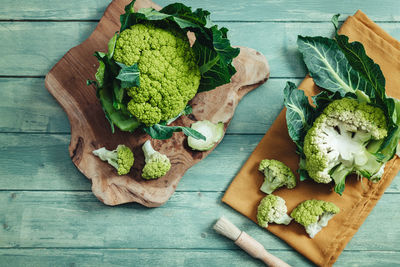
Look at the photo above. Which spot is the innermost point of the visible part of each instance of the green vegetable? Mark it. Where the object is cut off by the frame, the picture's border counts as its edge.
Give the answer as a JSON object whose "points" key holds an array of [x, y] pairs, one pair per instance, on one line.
{"points": [[277, 174], [157, 164], [340, 134], [212, 132], [352, 126], [314, 215], [121, 158], [272, 209], [151, 72]]}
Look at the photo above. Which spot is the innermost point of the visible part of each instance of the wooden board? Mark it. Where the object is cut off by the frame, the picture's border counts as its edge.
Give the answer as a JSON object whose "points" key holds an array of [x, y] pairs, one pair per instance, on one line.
{"points": [[90, 130]]}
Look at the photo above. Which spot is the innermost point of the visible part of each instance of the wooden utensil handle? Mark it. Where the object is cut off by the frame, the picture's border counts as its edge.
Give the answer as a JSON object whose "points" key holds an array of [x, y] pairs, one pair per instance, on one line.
{"points": [[256, 250]]}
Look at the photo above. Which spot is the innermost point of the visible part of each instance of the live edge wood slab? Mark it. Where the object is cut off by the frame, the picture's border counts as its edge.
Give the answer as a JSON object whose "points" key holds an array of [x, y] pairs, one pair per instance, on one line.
{"points": [[66, 81]]}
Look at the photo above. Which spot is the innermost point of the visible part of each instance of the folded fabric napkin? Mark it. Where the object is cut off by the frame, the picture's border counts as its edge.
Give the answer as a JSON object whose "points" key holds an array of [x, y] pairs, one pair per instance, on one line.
{"points": [[358, 199]]}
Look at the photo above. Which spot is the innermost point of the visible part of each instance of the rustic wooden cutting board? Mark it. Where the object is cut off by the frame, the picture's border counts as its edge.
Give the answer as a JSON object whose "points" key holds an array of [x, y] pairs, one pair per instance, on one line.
{"points": [[90, 130]]}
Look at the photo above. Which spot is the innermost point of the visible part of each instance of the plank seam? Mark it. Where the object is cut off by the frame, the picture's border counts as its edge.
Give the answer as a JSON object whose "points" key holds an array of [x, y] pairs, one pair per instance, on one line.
{"points": [[222, 21], [194, 248]]}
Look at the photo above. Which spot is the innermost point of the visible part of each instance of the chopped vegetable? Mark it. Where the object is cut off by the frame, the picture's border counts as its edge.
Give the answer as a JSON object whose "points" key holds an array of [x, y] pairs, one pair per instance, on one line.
{"points": [[120, 158], [157, 164], [277, 174], [337, 143], [212, 132], [314, 215], [352, 126], [151, 71], [272, 209]]}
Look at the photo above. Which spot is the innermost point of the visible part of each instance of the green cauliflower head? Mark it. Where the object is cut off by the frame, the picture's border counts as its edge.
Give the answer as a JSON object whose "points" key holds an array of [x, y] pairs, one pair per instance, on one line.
{"points": [[314, 214], [121, 158], [169, 74], [272, 209], [277, 174], [338, 142]]}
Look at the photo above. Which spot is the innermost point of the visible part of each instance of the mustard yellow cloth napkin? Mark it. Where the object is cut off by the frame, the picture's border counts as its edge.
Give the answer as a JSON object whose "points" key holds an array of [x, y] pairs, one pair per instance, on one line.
{"points": [[358, 200]]}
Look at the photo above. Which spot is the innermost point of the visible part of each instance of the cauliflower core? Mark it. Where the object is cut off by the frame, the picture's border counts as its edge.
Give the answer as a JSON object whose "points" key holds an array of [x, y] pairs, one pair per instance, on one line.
{"points": [[337, 143], [169, 74]]}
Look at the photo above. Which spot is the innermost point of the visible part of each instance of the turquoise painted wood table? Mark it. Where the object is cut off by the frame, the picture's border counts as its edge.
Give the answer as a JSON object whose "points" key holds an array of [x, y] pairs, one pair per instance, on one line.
{"points": [[48, 215]]}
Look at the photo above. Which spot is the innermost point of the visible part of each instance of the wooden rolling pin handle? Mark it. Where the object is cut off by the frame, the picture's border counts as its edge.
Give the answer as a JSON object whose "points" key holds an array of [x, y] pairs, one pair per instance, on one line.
{"points": [[256, 250]]}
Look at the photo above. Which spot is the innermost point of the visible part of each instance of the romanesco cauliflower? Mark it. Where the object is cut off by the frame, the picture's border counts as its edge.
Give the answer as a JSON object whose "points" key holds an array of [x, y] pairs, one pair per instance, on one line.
{"points": [[272, 209], [121, 158], [277, 174], [314, 215]]}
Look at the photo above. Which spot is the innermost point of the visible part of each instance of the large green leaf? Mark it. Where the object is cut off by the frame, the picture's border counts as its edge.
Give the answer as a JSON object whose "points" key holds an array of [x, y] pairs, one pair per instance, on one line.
{"points": [[129, 75], [111, 46], [329, 67], [116, 117], [359, 60], [299, 114]]}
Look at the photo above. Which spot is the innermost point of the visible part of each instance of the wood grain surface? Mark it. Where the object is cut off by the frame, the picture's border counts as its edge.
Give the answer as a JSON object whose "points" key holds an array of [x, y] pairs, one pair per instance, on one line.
{"points": [[90, 130]]}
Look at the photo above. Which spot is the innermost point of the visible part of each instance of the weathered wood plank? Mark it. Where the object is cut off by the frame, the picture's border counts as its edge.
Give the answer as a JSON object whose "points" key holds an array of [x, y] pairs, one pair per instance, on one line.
{"points": [[256, 10], [41, 162], [175, 257], [26, 106], [49, 41], [79, 220]]}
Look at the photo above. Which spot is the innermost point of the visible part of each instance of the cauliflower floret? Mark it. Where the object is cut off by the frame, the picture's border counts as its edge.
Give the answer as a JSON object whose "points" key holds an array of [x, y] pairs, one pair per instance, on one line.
{"points": [[169, 74], [337, 143], [277, 174], [157, 164], [272, 209], [120, 158], [314, 215]]}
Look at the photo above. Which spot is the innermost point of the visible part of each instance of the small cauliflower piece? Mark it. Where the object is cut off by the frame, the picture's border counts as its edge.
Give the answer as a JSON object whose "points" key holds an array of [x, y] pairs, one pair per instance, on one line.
{"points": [[272, 209], [340, 140], [212, 132], [157, 164], [121, 158], [277, 174], [314, 215]]}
